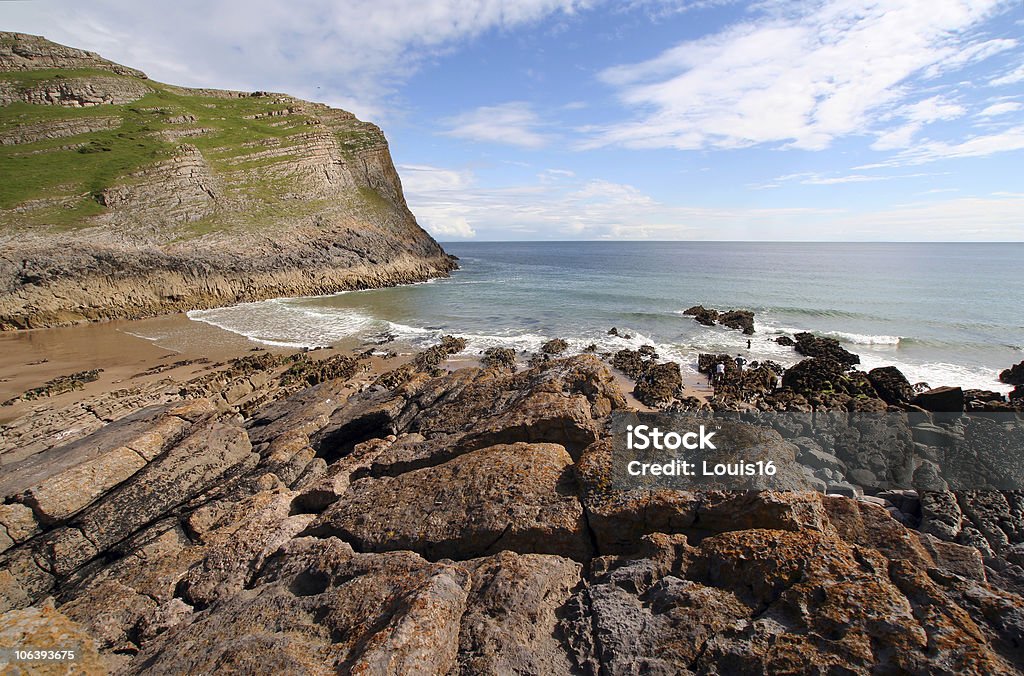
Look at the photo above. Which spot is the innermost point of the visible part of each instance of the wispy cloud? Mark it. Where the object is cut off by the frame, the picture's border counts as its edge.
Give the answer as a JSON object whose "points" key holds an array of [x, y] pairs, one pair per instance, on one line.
{"points": [[801, 76], [1013, 77], [514, 123], [1001, 109], [981, 145], [599, 209], [349, 53], [814, 178]]}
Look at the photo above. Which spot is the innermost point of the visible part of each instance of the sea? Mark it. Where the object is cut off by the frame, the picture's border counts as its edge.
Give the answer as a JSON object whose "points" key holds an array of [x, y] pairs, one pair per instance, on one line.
{"points": [[943, 313]]}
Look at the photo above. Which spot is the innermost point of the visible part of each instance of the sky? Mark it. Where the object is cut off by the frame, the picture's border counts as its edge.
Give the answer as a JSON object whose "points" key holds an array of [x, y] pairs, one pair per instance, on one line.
{"points": [[634, 119]]}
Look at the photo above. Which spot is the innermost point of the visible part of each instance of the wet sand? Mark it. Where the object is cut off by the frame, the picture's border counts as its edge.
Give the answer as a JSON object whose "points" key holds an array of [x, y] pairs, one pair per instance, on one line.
{"points": [[138, 353], [29, 359]]}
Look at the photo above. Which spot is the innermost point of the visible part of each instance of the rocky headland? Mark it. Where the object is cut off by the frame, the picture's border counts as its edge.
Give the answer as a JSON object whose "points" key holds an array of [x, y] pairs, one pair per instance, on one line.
{"points": [[124, 197], [310, 514]]}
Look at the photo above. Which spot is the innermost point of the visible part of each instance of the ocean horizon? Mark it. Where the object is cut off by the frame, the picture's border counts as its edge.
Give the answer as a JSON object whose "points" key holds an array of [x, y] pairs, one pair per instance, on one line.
{"points": [[944, 313]]}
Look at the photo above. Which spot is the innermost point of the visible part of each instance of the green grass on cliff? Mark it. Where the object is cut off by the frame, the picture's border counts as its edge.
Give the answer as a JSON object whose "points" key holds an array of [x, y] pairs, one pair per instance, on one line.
{"points": [[72, 170], [54, 167]]}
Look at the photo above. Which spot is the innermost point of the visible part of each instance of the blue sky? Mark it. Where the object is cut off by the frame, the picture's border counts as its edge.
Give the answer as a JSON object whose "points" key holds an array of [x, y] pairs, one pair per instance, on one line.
{"points": [[642, 119]]}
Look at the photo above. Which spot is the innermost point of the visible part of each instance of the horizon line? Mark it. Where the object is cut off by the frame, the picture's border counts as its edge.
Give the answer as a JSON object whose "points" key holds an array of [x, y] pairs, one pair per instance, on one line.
{"points": [[730, 241]]}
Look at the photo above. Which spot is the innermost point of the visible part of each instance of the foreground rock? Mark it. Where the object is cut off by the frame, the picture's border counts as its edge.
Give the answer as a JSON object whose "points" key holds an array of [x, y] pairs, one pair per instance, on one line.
{"points": [[517, 497], [467, 522]]}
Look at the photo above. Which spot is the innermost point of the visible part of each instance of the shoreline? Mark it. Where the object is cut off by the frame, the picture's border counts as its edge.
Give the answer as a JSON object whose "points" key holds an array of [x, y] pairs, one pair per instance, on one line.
{"points": [[128, 351], [147, 359]]}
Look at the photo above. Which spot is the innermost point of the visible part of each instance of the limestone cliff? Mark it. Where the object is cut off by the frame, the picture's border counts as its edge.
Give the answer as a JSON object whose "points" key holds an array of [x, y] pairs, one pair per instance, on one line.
{"points": [[125, 197]]}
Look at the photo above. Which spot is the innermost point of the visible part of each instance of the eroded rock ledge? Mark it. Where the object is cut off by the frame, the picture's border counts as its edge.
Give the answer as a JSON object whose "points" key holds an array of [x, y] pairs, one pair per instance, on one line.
{"points": [[464, 523]]}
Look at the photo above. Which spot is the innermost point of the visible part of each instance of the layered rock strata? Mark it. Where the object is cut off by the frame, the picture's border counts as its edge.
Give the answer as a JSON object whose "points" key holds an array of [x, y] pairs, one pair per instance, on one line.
{"points": [[465, 522], [128, 198]]}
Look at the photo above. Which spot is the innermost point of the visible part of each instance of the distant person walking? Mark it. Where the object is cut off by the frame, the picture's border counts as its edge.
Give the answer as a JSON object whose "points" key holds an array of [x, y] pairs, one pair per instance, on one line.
{"points": [[748, 343]]}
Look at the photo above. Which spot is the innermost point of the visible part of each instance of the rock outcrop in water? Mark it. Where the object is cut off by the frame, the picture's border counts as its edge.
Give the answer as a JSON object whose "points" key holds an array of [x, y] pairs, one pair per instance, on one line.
{"points": [[466, 523], [1013, 375], [125, 197], [741, 320]]}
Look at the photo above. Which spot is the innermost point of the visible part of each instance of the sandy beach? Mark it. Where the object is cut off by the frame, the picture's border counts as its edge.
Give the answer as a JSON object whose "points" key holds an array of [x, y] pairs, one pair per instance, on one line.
{"points": [[137, 354], [28, 359]]}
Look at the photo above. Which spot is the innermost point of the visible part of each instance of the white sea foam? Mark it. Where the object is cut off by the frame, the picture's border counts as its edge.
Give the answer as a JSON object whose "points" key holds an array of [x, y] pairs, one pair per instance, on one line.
{"points": [[282, 324], [941, 373], [291, 324], [143, 336], [861, 339]]}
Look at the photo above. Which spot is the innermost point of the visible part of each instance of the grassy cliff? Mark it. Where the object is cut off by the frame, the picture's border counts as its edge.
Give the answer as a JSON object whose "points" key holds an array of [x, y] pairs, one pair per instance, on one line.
{"points": [[111, 179]]}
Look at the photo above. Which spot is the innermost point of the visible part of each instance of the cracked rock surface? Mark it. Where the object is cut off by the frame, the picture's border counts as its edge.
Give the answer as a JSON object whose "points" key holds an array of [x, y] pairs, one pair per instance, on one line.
{"points": [[463, 523]]}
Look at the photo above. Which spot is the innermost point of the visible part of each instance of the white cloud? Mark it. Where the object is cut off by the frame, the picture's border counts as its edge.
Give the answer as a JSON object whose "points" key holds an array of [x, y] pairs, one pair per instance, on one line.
{"points": [[932, 109], [1014, 76], [983, 145], [422, 178], [814, 178], [899, 137], [351, 53], [917, 114], [456, 226], [434, 194], [1001, 109], [599, 209], [994, 218], [512, 123], [805, 75]]}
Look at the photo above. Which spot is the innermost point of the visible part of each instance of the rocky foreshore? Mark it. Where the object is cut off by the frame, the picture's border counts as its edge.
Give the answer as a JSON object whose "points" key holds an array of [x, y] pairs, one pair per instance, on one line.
{"points": [[295, 514]]}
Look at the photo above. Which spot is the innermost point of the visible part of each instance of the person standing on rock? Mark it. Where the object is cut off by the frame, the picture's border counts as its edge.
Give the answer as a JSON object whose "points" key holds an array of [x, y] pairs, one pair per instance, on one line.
{"points": [[740, 362], [720, 372]]}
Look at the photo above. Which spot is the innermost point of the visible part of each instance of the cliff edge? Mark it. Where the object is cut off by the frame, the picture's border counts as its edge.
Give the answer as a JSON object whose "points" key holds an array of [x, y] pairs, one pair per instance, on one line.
{"points": [[124, 197]]}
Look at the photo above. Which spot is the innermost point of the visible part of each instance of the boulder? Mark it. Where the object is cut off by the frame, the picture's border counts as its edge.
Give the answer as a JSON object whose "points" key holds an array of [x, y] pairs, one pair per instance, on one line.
{"points": [[811, 345], [814, 375], [659, 384], [891, 385], [518, 497], [1013, 375], [631, 362], [499, 358], [512, 614], [941, 400], [318, 607], [620, 518], [785, 341], [706, 363], [741, 320], [554, 346], [703, 315], [432, 357]]}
